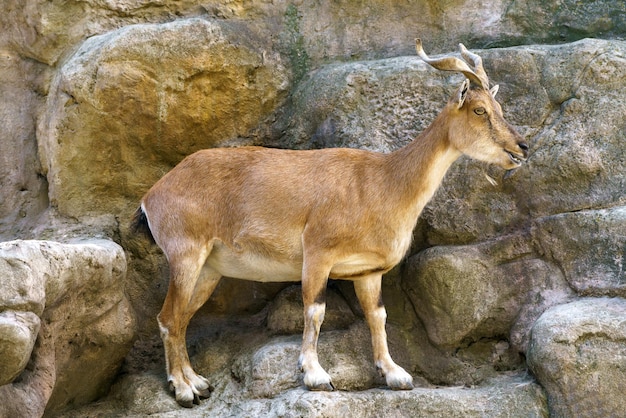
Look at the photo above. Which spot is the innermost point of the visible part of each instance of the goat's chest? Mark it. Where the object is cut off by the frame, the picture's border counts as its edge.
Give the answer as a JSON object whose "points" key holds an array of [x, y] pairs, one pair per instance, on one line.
{"points": [[400, 245]]}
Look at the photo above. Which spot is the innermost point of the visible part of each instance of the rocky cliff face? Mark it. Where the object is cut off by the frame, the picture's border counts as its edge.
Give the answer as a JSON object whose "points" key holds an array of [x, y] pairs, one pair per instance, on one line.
{"points": [[514, 289]]}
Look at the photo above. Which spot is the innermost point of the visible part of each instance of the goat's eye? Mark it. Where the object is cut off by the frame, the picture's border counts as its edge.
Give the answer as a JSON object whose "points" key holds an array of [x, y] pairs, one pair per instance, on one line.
{"points": [[480, 111]]}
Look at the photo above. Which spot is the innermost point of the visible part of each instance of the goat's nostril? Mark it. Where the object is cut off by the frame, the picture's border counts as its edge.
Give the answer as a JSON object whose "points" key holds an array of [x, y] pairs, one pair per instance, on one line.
{"points": [[524, 147]]}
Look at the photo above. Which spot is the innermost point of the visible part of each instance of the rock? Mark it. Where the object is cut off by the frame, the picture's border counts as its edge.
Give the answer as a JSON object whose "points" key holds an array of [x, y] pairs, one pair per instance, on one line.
{"points": [[539, 22], [578, 354], [130, 104], [344, 30], [467, 293], [272, 368], [22, 191], [18, 332], [377, 105], [286, 312], [503, 397], [28, 395], [330, 30], [22, 284], [88, 320], [577, 163], [146, 392], [589, 247]]}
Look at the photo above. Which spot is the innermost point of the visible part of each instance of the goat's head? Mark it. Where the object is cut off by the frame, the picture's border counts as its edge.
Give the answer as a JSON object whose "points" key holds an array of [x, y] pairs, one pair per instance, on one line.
{"points": [[477, 127]]}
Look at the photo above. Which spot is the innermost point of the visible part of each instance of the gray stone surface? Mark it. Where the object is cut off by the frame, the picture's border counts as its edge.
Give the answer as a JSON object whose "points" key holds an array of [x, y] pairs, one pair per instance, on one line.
{"points": [[74, 291], [578, 353], [467, 293], [285, 312], [18, 332], [589, 247], [263, 381]]}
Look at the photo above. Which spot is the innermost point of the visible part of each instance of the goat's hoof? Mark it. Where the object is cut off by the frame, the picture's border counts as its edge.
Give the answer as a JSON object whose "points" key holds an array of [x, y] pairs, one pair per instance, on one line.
{"points": [[403, 386], [205, 393], [198, 395], [323, 387], [188, 395], [185, 398], [318, 380], [186, 403], [399, 379]]}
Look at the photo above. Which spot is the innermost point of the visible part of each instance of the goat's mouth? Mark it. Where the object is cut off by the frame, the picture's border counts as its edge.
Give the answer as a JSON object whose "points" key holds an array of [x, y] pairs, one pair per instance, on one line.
{"points": [[515, 158]]}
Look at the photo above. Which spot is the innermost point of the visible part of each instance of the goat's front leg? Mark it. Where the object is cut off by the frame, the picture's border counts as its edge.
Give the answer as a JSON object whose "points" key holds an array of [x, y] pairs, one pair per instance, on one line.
{"points": [[368, 290], [190, 286], [314, 298]]}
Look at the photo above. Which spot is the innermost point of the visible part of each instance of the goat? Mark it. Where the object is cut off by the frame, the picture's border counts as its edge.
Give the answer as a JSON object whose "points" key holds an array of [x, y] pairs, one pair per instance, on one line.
{"points": [[270, 215]]}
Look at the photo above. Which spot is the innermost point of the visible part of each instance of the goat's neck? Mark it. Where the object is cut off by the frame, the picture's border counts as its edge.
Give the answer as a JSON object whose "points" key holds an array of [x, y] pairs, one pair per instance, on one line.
{"points": [[418, 169]]}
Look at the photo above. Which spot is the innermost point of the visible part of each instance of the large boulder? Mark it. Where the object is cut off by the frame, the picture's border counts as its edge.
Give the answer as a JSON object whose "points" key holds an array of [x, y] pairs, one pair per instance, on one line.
{"points": [[377, 105], [578, 354], [130, 104], [500, 287], [465, 294], [75, 293]]}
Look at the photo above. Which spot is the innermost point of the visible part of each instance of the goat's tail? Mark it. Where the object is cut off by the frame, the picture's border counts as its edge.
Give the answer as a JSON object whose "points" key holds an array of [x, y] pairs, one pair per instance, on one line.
{"points": [[140, 225]]}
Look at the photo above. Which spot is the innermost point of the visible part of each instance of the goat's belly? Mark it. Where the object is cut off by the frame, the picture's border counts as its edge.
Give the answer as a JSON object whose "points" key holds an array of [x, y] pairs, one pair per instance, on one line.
{"points": [[255, 267], [360, 265]]}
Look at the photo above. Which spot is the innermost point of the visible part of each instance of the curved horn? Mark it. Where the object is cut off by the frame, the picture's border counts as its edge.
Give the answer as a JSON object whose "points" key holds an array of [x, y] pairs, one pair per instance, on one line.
{"points": [[477, 62], [453, 64]]}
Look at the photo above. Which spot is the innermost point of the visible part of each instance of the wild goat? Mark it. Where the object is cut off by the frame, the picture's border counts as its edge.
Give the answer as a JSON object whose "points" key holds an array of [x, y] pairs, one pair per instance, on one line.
{"points": [[284, 215]]}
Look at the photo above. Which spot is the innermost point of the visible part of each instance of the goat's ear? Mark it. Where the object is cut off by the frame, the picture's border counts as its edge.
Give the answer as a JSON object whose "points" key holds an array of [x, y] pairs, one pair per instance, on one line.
{"points": [[462, 93], [494, 90]]}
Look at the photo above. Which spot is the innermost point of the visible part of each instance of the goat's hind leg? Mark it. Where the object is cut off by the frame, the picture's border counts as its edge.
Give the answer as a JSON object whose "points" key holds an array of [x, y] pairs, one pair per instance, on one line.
{"points": [[368, 290], [190, 287]]}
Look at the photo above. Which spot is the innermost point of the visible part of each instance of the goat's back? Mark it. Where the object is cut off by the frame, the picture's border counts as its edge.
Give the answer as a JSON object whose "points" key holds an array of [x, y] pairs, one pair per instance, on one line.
{"points": [[260, 195]]}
